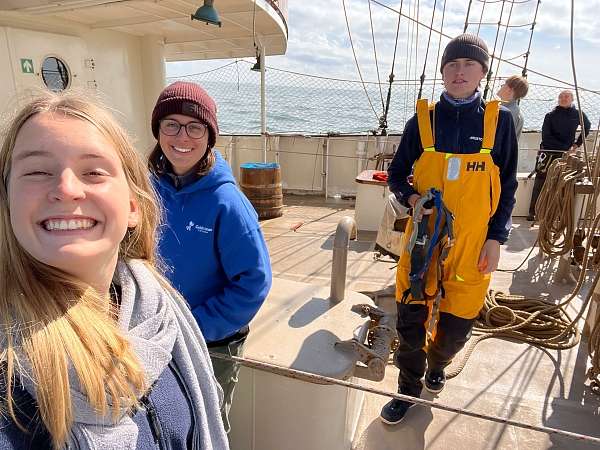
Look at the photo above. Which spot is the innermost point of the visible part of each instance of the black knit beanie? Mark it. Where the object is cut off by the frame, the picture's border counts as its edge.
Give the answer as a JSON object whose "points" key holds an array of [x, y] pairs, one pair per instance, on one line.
{"points": [[191, 100], [466, 46]]}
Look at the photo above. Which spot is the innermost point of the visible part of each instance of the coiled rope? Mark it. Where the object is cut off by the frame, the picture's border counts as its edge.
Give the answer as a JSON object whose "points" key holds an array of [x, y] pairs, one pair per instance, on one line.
{"points": [[533, 320], [554, 208]]}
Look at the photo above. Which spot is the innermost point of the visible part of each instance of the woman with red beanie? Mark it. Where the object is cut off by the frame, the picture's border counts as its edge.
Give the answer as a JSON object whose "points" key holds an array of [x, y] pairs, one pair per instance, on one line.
{"points": [[211, 241]]}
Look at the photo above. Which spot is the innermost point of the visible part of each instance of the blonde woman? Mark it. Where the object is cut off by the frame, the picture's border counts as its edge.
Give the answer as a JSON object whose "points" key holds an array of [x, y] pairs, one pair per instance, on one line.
{"points": [[96, 350]]}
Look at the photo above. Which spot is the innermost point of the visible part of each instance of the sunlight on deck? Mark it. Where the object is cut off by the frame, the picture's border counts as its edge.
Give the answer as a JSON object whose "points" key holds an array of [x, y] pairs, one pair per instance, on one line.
{"points": [[502, 378]]}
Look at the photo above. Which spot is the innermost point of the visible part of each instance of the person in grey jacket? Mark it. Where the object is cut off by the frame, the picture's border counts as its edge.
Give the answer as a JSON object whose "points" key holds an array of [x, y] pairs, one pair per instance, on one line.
{"points": [[512, 91]]}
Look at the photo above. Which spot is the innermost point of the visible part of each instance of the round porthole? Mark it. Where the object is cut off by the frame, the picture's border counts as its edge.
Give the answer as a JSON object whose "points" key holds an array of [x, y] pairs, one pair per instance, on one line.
{"points": [[55, 74]]}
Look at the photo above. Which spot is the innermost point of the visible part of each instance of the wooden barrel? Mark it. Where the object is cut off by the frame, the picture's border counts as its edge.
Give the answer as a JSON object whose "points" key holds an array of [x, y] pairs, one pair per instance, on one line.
{"points": [[261, 182]]}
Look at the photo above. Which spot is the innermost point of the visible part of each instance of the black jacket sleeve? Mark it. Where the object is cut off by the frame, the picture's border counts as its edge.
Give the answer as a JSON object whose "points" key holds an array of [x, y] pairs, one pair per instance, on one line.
{"points": [[505, 155], [586, 129], [407, 153], [549, 142]]}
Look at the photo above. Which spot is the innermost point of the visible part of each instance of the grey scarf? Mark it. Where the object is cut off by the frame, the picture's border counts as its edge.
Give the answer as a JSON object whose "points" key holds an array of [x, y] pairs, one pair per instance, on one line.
{"points": [[161, 328]]}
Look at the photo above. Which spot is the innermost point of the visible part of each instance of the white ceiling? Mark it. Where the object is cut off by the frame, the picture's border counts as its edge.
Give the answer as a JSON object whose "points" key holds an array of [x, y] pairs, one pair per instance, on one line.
{"points": [[242, 20]]}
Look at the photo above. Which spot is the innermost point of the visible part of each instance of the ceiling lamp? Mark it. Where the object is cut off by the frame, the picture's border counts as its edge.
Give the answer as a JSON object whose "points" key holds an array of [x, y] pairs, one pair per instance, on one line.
{"points": [[207, 13]]}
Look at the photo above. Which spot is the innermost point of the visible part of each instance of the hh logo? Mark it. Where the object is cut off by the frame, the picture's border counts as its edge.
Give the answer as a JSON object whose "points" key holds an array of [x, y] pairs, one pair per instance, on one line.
{"points": [[474, 166]]}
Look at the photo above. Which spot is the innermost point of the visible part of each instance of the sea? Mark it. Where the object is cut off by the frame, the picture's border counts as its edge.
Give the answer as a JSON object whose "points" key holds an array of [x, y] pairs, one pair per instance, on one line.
{"points": [[304, 104]]}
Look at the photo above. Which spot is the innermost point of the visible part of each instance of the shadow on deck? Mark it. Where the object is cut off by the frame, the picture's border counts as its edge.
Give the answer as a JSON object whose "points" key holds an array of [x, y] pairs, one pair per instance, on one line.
{"points": [[502, 378]]}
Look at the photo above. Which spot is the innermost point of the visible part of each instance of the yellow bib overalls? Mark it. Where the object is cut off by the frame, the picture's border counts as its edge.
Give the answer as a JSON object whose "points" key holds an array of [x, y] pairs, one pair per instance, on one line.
{"points": [[470, 186]]}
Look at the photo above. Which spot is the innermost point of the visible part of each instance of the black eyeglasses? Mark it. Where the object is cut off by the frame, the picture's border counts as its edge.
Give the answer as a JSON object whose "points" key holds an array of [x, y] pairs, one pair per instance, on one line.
{"points": [[194, 130]]}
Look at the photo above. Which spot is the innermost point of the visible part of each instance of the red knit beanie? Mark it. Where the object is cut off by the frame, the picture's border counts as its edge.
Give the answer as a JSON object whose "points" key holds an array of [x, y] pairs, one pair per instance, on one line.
{"points": [[188, 99]]}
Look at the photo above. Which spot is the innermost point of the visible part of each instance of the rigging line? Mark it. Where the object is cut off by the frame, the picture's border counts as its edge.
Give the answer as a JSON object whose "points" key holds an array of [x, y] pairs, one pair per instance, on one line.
{"points": [[480, 18], [383, 121], [409, 37], [502, 48], [375, 53], [418, 9], [585, 153], [489, 74], [427, 51], [401, 80], [537, 7], [466, 16], [203, 73], [356, 60], [508, 1], [543, 75], [516, 57], [310, 377], [521, 25], [254, 25], [437, 59]]}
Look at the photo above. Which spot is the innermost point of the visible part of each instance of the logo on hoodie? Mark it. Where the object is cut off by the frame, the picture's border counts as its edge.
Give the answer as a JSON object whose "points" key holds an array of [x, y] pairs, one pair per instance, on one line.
{"points": [[191, 226]]}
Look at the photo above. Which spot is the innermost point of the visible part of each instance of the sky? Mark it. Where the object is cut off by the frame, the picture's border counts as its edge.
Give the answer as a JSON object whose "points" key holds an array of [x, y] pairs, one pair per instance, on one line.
{"points": [[319, 43]]}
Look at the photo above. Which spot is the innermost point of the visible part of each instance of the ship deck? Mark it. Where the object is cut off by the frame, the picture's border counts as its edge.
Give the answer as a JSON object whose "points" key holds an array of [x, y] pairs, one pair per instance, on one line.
{"points": [[502, 378]]}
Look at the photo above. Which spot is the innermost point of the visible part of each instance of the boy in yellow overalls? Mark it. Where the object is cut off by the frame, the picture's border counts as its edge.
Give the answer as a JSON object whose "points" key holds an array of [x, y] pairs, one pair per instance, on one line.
{"points": [[465, 149]]}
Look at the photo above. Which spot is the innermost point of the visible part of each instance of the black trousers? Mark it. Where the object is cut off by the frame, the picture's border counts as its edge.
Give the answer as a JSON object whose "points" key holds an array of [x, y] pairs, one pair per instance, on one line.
{"points": [[410, 358], [538, 184]]}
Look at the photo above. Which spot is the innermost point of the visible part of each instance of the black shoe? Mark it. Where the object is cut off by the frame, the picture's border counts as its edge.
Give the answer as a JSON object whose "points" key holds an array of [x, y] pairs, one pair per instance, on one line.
{"points": [[394, 411], [531, 218], [435, 381]]}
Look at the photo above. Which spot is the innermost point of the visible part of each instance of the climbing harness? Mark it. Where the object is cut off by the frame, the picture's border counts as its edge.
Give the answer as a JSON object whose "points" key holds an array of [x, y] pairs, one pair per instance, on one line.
{"points": [[421, 245], [421, 248]]}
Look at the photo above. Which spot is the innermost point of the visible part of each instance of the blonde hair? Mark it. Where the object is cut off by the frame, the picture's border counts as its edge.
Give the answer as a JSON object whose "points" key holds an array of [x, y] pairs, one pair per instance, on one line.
{"points": [[54, 321]]}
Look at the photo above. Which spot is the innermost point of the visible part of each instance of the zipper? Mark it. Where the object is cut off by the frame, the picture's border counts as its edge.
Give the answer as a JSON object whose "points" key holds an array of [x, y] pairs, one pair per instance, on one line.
{"points": [[188, 397], [153, 421]]}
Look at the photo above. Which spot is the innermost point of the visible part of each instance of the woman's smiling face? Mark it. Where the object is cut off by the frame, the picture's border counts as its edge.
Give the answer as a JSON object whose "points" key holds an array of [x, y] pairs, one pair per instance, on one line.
{"points": [[182, 151], [70, 203]]}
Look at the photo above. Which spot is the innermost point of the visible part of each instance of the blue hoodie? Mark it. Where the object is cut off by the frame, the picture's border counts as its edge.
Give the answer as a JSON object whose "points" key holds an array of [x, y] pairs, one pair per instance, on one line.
{"points": [[213, 245]]}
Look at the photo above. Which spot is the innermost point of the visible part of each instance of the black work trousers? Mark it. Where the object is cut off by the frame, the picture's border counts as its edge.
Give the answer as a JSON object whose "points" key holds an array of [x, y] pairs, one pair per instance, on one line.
{"points": [[410, 358], [538, 184]]}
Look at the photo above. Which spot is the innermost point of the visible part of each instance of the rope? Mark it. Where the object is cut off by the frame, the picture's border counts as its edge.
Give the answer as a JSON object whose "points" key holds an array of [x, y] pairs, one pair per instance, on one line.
{"points": [[356, 61], [416, 47], [528, 52], [587, 163], [554, 209], [383, 121], [481, 18], [375, 53], [427, 51], [543, 75], [410, 37], [489, 74], [507, 26], [437, 59], [323, 380], [593, 373], [536, 322], [467, 16]]}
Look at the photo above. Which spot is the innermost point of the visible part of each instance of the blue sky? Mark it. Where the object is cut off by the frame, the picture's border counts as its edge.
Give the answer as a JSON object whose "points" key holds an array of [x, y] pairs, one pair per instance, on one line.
{"points": [[319, 45]]}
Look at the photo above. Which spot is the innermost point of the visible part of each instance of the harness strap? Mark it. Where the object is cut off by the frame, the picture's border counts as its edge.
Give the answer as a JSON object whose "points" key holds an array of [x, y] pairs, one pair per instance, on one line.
{"points": [[424, 121], [490, 122], [421, 246]]}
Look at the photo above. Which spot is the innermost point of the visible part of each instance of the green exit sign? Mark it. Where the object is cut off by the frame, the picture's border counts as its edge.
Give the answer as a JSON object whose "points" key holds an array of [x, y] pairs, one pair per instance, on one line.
{"points": [[26, 65]]}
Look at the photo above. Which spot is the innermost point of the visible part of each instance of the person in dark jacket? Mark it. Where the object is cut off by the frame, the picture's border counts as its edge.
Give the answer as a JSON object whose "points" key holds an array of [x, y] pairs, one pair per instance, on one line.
{"points": [[473, 163], [558, 136], [97, 350], [212, 240]]}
